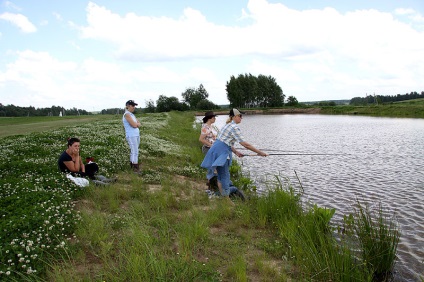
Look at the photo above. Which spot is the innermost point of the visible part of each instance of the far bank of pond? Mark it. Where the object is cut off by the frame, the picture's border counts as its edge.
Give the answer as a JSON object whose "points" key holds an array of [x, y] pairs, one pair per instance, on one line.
{"points": [[406, 110]]}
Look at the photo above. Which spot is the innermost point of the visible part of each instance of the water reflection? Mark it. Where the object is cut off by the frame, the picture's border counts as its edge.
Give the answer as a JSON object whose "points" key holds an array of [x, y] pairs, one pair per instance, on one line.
{"points": [[372, 159]]}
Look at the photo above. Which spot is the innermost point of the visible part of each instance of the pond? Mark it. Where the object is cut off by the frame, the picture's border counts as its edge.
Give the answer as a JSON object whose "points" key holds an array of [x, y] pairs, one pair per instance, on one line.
{"points": [[374, 160]]}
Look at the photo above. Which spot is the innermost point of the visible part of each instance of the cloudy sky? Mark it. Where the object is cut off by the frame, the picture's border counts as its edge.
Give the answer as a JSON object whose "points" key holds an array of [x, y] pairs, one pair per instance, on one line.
{"points": [[97, 54]]}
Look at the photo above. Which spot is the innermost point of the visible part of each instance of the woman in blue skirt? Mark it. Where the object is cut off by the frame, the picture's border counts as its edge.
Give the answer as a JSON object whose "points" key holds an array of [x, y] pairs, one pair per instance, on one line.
{"points": [[219, 156]]}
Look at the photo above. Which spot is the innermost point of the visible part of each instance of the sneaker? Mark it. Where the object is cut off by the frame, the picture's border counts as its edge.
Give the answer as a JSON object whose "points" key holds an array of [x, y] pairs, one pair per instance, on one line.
{"points": [[100, 183], [105, 179]]}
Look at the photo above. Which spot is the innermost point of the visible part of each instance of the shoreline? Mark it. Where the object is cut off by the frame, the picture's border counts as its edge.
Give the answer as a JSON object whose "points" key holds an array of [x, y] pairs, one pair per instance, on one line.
{"points": [[270, 111]]}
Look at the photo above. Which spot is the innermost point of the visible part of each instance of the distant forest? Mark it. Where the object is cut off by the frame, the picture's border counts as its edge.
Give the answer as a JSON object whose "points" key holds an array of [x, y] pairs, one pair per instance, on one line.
{"points": [[380, 99], [15, 111]]}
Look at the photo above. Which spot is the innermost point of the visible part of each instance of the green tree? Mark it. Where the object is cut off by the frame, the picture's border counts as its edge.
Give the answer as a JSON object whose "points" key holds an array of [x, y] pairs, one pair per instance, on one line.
{"points": [[234, 91], [292, 101], [205, 104], [150, 106], [248, 91], [167, 104], [193, 96]]}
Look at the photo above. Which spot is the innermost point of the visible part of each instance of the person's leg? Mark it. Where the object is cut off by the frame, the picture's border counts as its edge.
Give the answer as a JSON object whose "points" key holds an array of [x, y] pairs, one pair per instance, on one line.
{"points": [[134, 143], [105, 179], [224, 179], [205, 149]]}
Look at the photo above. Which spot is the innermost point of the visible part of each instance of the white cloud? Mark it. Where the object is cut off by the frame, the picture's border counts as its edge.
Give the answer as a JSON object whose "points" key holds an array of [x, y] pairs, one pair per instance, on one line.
{"points": [[275, 31], [20, 21], [316, 54], [12, 6], [404, 11], [58, 16]]}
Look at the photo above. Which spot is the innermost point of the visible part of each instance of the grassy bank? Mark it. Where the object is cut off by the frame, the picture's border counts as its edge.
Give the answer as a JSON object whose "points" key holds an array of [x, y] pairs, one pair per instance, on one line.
{"points": [[162, 226], [408, 109]]}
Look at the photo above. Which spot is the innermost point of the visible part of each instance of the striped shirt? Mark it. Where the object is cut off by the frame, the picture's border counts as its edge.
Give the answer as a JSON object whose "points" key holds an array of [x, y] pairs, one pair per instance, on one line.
{"points": [[230, 133]]}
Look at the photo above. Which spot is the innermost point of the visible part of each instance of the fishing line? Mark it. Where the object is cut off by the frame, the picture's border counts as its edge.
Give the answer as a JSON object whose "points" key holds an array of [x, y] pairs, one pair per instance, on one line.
{"points": [[293, 154], [272, 150]]}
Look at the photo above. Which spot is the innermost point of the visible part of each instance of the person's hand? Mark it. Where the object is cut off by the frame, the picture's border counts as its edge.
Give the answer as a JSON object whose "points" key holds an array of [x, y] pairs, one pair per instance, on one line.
{"points": [[75, 153], [263, 154], [238, 154]]}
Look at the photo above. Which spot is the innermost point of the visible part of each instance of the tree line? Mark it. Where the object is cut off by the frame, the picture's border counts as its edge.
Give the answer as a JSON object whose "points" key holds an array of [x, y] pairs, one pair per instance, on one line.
{"points": [[381, 99], [244, 91], [192, 99], [16, 111]]}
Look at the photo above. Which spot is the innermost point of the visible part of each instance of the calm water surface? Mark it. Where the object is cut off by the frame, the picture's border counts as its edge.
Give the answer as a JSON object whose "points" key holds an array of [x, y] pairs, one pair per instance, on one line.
{"points": [[378, 160]]}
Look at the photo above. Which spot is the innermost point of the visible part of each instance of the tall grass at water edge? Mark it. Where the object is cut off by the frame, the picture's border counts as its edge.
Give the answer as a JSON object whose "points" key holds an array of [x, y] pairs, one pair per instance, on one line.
{"points": [[162, 226]]}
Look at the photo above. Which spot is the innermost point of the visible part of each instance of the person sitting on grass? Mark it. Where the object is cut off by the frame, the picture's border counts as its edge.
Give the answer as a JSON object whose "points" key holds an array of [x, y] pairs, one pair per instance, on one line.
{"points": [[70, 162]]}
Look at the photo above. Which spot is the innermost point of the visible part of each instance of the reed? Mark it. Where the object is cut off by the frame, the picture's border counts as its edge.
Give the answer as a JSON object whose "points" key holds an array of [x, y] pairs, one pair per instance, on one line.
{"points": [[378, 236]]}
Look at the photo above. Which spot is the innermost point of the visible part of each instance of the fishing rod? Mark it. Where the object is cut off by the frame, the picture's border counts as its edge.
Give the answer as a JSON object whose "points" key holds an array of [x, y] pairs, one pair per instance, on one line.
{"points": [[293, 154], [272, 150], [289, 153]]}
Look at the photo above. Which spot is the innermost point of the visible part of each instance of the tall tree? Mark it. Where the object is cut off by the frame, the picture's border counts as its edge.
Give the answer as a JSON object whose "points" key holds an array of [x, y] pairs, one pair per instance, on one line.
{"points": [[292, 101], [167, 104], [193, 96], [150, 106], [247, 91]]}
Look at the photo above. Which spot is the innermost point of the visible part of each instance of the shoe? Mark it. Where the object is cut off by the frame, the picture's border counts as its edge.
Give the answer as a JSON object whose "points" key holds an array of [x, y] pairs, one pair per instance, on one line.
{"points": [[137, 169], [100, 183], [105, 179]]}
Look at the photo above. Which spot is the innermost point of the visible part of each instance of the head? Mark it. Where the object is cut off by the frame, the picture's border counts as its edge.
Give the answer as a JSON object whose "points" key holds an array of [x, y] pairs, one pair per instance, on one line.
{"points": [[74, 144], [236, 115], [130, 105], [209, 116]]}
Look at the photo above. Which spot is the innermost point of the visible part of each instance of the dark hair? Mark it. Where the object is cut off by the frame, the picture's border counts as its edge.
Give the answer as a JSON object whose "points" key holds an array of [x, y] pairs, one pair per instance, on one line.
{"points": [[72, 141], [208, 116]]}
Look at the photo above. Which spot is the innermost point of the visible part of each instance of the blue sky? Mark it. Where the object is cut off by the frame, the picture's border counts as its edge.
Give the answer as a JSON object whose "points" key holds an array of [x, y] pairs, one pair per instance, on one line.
{"points": [[96, 55]]}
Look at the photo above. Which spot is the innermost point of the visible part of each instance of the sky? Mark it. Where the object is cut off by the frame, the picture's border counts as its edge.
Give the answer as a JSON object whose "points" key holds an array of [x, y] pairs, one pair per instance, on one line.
{"points": [[98, 54]]}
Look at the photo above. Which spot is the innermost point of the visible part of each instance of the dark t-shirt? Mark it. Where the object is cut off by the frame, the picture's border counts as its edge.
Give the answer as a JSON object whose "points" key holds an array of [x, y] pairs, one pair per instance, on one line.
{"points": [[64, 157], [90, 169]]}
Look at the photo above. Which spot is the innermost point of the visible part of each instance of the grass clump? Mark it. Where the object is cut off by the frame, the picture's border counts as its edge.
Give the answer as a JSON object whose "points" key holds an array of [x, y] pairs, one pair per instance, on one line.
{"points": [[378, 238]]}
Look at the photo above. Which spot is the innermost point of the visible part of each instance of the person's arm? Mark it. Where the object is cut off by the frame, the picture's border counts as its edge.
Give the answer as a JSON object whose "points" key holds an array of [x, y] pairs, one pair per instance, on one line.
{"points": [[203, 140], [133, 123], [82, 166], [253, 149], [75, 166], [238, 154]]}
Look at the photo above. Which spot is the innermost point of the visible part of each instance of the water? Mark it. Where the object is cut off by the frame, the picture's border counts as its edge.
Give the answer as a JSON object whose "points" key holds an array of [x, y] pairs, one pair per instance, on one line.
{"points": [[378, 160]]}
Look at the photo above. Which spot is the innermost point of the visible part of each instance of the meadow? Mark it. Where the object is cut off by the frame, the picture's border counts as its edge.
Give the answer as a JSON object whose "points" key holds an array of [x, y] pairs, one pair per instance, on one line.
{"points": [[162, 226]]}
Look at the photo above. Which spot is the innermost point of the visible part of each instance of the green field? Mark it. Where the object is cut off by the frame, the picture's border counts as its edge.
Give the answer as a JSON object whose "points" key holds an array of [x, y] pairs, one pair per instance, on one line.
{"points": [[25, 125], [404, 109]]}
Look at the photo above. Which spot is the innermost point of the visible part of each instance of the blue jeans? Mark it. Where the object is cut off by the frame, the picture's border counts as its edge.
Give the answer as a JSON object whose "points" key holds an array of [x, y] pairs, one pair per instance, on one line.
{"points": [[224, 177]]}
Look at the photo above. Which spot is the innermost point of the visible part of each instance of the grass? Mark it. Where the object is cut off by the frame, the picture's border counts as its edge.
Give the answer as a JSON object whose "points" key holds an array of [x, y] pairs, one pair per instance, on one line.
{"points": [[24, 125], [408, 109], [162, 226]]}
